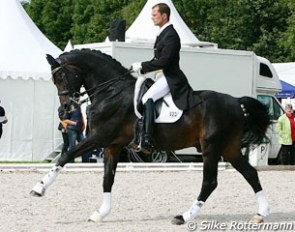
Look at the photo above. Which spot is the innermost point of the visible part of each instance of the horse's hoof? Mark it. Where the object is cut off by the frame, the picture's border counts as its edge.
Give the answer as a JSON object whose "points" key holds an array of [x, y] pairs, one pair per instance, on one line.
{"points": [[95, 217], [38, 190], [178, 220], [35, 194], [257, 219]]}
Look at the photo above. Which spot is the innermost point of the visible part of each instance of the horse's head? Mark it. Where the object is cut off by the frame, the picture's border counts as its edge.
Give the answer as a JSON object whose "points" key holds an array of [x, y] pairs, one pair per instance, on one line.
{"points": [[66, 79]]}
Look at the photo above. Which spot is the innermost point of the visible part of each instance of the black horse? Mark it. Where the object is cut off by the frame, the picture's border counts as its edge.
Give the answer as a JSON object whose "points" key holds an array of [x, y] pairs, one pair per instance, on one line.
{"points": [[219, 126]]}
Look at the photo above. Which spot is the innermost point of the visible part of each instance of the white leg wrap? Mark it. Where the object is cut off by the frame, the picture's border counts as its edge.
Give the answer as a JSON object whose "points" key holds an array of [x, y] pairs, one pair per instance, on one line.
{"points": [[47, 180], [104, 209], [194, 211], [263, 205], [51, 176]]}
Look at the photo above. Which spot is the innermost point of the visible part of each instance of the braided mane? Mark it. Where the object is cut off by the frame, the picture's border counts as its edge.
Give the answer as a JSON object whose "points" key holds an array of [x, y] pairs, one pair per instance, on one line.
{"points": [[96, 54]]}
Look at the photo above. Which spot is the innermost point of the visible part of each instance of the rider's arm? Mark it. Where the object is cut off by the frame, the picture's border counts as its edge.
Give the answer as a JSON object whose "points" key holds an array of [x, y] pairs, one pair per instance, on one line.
{"points": [[168, 50]]}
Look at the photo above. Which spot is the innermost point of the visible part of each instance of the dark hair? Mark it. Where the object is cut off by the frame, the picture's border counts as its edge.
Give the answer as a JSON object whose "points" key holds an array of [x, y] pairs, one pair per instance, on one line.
{"points": [[62, 113], [163, 9]]}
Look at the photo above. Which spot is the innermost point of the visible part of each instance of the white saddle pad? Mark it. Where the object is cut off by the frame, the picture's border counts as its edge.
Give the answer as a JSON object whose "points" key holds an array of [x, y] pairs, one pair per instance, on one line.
{"points": [[169, 111]]}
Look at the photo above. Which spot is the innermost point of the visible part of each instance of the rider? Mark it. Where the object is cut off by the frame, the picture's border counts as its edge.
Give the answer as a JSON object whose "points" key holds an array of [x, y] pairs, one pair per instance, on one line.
{"points": [[169, 77]]}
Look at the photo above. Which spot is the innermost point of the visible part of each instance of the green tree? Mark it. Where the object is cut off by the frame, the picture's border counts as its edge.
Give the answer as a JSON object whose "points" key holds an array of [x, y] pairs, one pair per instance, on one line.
{"points": [[263, 26], [33, 9], [131, 11], [92, 18], [288, 38], [56, 22], [256, 25], [53, 18], [83, 10]]}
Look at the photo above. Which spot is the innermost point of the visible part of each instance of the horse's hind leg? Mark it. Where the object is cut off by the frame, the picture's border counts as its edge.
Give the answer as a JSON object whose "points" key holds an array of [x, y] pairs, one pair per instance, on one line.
{"points": [[210, 169], [250, 174], [111, 157]]}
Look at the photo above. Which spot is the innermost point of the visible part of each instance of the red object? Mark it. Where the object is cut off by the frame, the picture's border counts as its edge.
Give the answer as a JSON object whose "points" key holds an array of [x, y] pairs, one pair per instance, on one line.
{"points": [[292, 121]]}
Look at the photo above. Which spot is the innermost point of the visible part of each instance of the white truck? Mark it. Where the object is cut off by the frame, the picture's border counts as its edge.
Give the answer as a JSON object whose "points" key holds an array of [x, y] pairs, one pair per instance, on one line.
{"points": [[238, 73]]}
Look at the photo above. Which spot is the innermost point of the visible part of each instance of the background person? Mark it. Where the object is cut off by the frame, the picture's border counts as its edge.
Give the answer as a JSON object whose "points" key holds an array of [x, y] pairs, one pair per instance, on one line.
{"points": [[286, 132], [75, 127], [3, 119], [62, 127]]}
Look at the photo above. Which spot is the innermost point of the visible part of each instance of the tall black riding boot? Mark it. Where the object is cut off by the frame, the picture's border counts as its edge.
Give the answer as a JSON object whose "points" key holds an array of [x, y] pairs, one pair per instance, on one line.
{"points": [[148, 125]]}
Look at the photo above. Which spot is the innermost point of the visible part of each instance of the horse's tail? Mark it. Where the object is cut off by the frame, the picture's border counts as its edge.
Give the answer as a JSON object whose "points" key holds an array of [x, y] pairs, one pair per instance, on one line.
{"points": [[257, 120]]}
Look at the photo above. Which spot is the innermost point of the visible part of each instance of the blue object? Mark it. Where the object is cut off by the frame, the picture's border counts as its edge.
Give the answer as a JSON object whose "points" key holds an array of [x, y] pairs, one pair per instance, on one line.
{"points": [[288, 91]]}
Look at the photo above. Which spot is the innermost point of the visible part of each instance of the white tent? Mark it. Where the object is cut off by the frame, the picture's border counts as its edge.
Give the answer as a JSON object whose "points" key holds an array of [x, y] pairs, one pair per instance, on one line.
{"points": [[286, 71], [144, 30], [26, 90]]}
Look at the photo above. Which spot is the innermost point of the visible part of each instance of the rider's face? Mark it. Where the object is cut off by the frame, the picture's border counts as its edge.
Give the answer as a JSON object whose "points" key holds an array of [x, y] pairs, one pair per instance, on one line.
{"points": [[158, 18]]}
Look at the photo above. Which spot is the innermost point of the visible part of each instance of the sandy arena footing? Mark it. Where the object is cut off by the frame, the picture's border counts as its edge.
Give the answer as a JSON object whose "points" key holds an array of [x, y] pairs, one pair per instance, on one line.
{"points": [[142, 200]]}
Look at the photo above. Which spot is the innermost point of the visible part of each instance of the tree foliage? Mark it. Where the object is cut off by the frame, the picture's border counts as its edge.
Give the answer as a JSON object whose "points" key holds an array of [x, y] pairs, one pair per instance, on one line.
{"points": [[266, 27]]}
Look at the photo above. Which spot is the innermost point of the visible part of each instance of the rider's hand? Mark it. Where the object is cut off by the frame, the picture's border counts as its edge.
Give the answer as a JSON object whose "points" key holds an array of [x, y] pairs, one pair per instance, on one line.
{"points": [[136, 67]]}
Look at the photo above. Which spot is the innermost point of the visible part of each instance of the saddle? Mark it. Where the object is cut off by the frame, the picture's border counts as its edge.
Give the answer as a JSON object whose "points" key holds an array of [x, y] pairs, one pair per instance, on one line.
{"points": [[165, 109]]}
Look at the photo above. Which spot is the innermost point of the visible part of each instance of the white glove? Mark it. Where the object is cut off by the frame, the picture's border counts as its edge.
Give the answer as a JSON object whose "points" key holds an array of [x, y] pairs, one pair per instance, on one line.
{"points": [[136, 67]]}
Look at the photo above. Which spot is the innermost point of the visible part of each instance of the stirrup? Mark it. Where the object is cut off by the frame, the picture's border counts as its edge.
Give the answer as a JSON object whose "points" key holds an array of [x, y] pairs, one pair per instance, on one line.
{"points": [[148, 145], [134, 146]]}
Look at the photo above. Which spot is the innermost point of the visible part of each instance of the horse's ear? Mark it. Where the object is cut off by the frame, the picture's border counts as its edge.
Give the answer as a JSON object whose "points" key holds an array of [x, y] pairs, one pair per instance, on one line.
{"points": [[53, 63]]}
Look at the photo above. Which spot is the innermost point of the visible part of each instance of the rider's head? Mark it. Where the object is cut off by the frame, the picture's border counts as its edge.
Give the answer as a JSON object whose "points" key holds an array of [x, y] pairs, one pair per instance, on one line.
{"points": [[160, 14]]}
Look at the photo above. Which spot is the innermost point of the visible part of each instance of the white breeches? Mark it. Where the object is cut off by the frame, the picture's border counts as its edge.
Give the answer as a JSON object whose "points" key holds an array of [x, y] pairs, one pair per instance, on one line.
{"points": [[158, 90]]}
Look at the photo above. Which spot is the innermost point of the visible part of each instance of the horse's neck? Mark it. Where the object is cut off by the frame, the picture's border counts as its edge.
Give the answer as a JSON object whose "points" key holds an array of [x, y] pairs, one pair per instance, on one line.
{"points": [[99, 86]]}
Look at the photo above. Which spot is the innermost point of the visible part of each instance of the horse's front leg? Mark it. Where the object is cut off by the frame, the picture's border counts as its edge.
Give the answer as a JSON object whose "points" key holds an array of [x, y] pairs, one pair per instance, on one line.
{"points": [[111, 157], [86, 145]]}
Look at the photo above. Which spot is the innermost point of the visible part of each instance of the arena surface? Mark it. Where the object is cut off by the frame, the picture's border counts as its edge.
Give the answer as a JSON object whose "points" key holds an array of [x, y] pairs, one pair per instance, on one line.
{"points": [[142, 201]]}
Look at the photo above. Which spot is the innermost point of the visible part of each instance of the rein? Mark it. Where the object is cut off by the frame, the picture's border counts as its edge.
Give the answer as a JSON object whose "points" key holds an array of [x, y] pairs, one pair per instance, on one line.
{"points": [[101, 85]]}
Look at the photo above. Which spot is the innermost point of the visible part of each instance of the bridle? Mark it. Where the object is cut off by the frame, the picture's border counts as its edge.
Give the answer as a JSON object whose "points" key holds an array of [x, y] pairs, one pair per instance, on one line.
{"points": [[71, 90], [75, 94]]}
